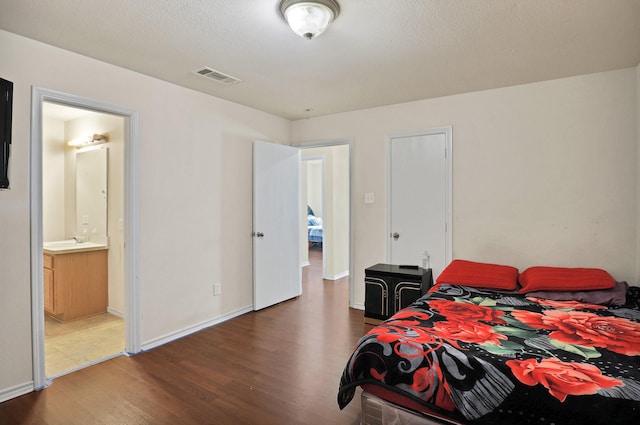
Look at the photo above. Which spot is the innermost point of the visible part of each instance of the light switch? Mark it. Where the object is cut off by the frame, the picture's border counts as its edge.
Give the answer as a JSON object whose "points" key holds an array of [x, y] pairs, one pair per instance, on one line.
{"points": [[369, 198], [85, 219]]}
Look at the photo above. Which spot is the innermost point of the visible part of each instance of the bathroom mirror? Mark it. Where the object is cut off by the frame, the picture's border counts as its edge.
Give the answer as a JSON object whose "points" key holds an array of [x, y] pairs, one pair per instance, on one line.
{"points": [[91, 194]]}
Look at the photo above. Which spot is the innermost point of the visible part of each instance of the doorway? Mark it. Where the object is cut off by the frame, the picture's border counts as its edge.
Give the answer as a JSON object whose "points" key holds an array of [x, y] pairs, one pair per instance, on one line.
{"points": [[53, 194], [82, 204], [312, 175], [326, 208]]}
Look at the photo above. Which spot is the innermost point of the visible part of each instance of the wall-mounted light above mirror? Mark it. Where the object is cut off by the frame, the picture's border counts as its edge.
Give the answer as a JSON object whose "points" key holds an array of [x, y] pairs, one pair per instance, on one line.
{"points": [[92, 140]]}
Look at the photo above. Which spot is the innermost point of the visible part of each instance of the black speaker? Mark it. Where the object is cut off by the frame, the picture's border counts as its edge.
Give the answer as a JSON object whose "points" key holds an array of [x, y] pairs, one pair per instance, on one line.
{"points": [[6, 105]]}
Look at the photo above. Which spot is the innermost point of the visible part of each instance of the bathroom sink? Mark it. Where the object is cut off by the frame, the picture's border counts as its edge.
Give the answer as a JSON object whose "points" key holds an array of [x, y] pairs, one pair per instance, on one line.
{"points": [[60, 244], [71, 245]]}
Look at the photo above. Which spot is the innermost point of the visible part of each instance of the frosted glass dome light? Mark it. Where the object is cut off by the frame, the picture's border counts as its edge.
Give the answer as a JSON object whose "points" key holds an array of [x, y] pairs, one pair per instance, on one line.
{"points": [[309, 19]]}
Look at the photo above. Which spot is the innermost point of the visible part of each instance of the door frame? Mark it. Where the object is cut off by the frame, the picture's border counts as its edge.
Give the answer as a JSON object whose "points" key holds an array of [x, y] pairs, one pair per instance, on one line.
{"points": [[448, 132], [349, 143], [131, 215]]}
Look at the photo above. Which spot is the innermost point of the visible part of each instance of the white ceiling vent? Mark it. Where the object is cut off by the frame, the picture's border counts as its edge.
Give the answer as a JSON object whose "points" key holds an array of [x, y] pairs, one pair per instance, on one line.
{"points": [[218, 76]]}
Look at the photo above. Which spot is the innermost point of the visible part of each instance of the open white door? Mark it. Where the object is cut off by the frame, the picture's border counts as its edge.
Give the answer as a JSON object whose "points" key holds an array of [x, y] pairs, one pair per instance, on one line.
{"points": [[276, 224]]}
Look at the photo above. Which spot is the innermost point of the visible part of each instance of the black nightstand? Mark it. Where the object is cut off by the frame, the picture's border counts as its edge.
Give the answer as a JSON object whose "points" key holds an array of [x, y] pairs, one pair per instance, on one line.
{"points": [[390, 288]]}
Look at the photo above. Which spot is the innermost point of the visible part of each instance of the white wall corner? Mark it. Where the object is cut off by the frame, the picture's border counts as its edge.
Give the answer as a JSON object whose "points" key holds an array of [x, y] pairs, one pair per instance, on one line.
{"points": [[337, 276]]}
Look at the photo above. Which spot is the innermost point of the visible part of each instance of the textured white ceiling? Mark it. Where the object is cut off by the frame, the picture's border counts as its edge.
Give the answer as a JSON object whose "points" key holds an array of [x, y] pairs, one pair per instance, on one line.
{"points": [[377, 52]]}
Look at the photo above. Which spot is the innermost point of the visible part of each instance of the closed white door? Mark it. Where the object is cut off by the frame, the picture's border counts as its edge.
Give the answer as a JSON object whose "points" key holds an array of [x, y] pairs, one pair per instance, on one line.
{"points": [[276, 224], [420, 199]]}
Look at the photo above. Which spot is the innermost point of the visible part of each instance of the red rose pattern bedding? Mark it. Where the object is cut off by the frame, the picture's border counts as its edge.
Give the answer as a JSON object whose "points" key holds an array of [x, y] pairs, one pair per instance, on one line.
{"points": [[501, 358]]}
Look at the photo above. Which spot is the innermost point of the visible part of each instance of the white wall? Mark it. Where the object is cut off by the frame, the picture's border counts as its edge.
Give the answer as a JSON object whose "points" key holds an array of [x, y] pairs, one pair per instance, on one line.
{"points": [[314, 185], [340, 205], [195, 196], [304, 242], [543, 174], [53, 187]]}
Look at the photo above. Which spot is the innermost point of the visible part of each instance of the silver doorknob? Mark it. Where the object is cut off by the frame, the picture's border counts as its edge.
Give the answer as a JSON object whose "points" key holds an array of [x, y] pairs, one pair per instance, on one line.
{"points": [[396, 235]]}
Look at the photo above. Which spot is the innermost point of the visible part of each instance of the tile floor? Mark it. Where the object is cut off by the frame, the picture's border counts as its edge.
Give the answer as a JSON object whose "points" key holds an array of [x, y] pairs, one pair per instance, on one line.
{"points": [[69, 346]]}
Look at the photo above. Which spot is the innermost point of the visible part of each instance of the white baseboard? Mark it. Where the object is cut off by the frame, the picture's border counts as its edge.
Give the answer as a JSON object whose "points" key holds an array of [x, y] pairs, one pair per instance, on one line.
{"points": [[337, 276], [16, 391], [357, 306], [115, 312], [156, 342]]}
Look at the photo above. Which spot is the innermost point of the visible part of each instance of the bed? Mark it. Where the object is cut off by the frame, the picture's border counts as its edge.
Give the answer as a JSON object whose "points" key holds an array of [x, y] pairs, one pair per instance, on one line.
{"points": [[314, 225], [488, 345]]}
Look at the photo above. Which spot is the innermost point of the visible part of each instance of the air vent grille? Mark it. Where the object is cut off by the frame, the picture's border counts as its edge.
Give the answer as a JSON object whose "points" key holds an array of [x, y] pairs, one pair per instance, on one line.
{"points": [[218, 76]]}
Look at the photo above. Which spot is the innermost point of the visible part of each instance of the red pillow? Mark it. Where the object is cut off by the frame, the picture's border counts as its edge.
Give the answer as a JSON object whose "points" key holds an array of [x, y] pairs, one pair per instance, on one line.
{"points": [[480, 275], [564, 279]]}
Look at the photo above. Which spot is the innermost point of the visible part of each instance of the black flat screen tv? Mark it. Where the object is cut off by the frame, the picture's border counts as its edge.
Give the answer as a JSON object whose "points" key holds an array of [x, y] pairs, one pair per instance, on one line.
{"points": [[6, 104]]}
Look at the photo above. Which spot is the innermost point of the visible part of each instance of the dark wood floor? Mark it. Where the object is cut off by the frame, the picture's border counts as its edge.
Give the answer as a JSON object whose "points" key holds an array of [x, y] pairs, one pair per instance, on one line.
{"points": [[281, 365]]}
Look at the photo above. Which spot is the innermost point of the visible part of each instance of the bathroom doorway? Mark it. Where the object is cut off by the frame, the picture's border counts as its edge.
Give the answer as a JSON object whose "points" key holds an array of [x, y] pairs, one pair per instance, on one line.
{"points": [[84, 297], [82, 213]]}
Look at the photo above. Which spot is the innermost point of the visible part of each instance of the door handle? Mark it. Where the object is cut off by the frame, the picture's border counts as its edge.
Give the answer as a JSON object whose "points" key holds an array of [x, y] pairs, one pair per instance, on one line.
{"points": [[260, 234], [396, 236]]}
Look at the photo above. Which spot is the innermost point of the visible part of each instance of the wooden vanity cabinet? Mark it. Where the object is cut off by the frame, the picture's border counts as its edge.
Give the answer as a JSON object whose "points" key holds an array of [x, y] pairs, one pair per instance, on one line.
{"points": [[75, 284], [48, 284]]}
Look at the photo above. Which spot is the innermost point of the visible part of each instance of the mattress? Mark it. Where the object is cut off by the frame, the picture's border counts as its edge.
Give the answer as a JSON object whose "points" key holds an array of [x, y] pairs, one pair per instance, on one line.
{"points": [[376, 411]]}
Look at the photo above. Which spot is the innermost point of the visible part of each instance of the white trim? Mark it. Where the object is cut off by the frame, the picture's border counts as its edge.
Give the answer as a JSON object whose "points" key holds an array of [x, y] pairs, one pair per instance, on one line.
{"points": [[16, 391], [337, 276], [305, 264], [115, 312], [37, 272], [156, 342], [358, 306], [337, 142], [448, 132], [132, 311]]}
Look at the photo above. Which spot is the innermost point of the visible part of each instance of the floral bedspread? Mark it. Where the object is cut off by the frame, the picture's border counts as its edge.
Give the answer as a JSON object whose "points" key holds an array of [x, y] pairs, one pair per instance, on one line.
{"points": [[502, 358]]}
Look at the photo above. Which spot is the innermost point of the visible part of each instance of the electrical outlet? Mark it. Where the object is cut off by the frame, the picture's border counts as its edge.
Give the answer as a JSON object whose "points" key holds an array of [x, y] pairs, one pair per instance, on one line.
{"points": [[369, 198], [217, 289]]}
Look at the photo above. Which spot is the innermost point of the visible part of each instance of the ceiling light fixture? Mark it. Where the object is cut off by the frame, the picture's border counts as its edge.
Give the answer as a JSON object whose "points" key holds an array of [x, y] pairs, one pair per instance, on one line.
{"points": [[309, 19]]}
